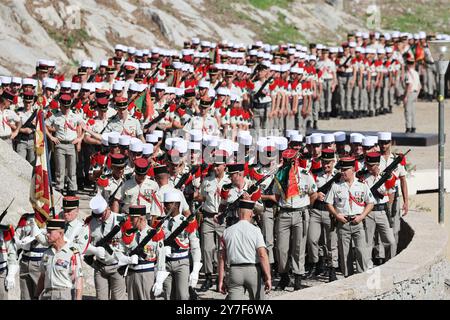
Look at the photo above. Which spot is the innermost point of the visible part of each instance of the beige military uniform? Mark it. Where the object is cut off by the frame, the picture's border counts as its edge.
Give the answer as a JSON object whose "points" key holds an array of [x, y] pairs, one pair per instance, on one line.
{"points": [[140, 277], [129, 127], [30, 260], [25, 143], [78, 235], [241, 242], [62, 270], [176, 286], [109, 284], [208, 125], [65, 152], [320, 225], [7, 119], [210, 231], [131, 193], [351, 201], [157, 208], [378, 220], [8, 256], [107, 191], [293, 218]]}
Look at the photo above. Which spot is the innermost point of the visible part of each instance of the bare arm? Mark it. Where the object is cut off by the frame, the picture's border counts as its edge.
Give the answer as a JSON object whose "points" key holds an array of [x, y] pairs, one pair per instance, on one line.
{"points": [[222, 259], [265, 266], [404, 186]]}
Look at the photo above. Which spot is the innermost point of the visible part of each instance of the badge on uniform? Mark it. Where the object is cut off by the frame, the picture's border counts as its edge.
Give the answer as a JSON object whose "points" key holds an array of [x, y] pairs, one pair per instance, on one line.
{"points": [[62, 263]]}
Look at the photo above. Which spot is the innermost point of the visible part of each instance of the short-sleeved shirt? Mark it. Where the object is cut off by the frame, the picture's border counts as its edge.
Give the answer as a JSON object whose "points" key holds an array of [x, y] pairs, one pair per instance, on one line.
{"points": [[210, 190], [349, 200], [328, 67], [370, 180], [242, 241], [306, 187], [412, 77], [7, 118], [61, 268], [158, 204], [399, 172], [129, 127], [131, 193], [66, 126]]}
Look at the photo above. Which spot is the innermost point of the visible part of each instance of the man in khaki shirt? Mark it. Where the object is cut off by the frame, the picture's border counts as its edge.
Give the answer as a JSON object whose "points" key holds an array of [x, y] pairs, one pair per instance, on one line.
{"points": [[68, 131], [412, 92]]}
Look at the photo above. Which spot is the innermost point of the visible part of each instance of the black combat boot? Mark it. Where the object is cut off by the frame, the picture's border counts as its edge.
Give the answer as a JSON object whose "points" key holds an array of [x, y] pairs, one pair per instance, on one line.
{"points": [[284, 282], [298, 282], [332, 275], [315, 125], [413, 130], [207, 284], [311, 273], [320, 268]]}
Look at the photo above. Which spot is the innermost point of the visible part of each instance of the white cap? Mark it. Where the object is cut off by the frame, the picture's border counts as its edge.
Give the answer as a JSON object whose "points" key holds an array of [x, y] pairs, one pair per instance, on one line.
{"points": [[340, 136], [281, 143], [356, 137], [75, 86], [98, 204], [179, 92], [316, 138], [204, 84], [328, 138], [181, 146], [422, 35], [158, 133], [171, 197], [290, 133], [352, 44], [381, 51], [308, 140], [196, 135], [105, 139], [16, 80], [118, 85], [124, 140], [136, 145], [368, 141], [389, 50], [296, 137], [88, 86], [147, 149], [386, 136], [29, 82], [194, 146], [151, 138], [160, 86], [169, 143], [113, 138], [66, 84], [49, 83], [223, 91], [245, 140]]}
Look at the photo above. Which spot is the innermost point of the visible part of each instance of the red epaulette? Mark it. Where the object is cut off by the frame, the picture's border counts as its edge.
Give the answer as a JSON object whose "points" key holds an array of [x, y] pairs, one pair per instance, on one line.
{"points": [[22, 221], [127, 238], [390, 183], [102, 181], [8, 234], [159, 236], [192, 226]]}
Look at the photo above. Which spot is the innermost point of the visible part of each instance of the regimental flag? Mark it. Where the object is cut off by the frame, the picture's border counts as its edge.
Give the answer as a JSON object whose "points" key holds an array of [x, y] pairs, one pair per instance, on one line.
{"points": [[286, 178], [40, 190], [143, 106]]}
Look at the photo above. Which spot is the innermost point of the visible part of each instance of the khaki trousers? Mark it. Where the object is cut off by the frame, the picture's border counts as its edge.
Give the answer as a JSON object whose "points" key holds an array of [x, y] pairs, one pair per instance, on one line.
{"points": [[109, 284], [176, 286], [248, 277]]}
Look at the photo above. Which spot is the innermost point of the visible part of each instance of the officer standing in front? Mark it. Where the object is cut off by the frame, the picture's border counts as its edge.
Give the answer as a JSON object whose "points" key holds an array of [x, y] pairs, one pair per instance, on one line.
{"points": [[350, 201], [61, 266], [244, 250]]}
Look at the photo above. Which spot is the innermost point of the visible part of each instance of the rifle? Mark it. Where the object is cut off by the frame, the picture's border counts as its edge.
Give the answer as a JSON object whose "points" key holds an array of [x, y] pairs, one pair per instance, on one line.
{"points": [[6, 210], [28, 123], [160, 116], [327, 186], [139, 249], [108, 122], [217, 85], [228, 212], [105, 241], [156, 70], [258, 94], [186, 175], [252, 76], [386, 175], [112, 195], [345, 62]]}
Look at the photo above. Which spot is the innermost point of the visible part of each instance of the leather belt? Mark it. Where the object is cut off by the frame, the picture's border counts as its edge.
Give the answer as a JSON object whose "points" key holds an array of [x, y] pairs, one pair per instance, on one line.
{"points": [[379, 207], [320, 205]]}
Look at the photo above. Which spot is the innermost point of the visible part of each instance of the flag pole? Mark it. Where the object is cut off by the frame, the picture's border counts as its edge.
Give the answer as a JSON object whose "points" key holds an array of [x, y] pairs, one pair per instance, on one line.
{"points": [[49, 171]]}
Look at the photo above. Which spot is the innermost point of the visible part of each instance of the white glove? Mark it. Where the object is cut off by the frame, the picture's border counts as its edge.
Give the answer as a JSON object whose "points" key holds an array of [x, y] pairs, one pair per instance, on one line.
{"points": [[22, 243], [167, 251], [10, 280], [100, 252], [158, 286], [35, 231], [193, 277], [124, 260]]}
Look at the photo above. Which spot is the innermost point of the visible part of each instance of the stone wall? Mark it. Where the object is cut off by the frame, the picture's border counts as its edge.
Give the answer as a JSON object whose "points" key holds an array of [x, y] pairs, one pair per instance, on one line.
{"points": [[419, 271]]}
